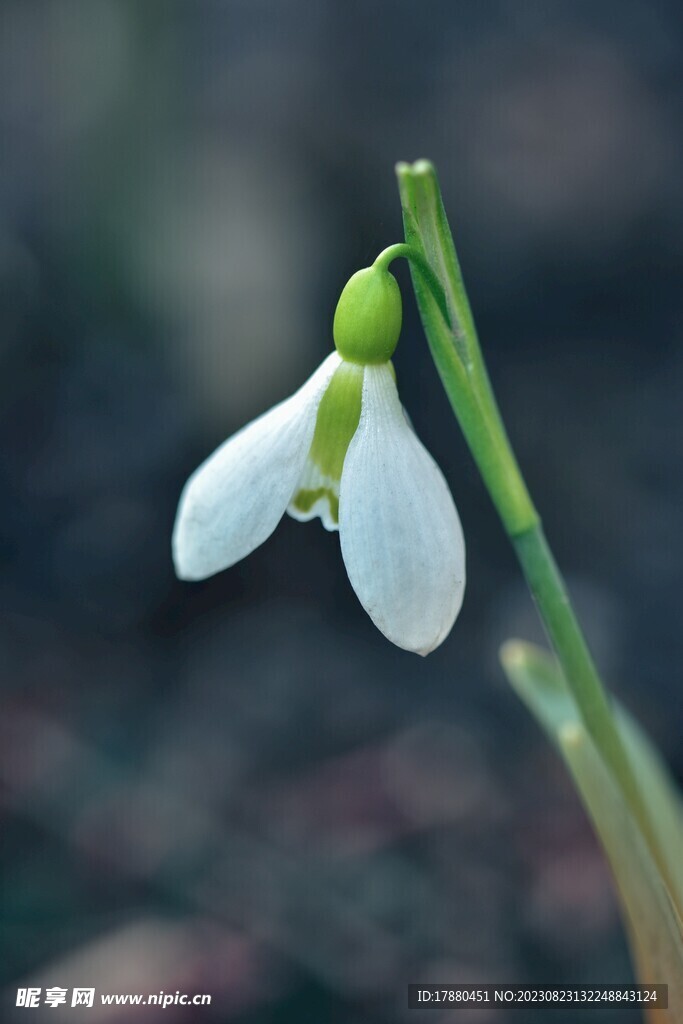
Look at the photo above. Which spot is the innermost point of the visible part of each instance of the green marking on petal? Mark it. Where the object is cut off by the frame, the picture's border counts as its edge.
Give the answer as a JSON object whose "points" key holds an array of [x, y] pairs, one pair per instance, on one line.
{"points": [[337, 421], [305, 500]]}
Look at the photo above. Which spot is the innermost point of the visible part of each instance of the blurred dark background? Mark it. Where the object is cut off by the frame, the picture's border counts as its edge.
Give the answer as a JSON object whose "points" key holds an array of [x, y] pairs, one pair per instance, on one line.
{"points": [[239, 787]]}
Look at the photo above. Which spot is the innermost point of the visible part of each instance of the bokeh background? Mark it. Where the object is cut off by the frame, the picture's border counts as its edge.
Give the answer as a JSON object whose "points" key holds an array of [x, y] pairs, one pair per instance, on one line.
{"points": [[239, 787]]}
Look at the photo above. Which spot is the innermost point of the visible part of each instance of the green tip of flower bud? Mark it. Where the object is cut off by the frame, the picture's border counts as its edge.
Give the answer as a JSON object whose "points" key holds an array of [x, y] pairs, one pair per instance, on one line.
{"points": [[367, 321]]}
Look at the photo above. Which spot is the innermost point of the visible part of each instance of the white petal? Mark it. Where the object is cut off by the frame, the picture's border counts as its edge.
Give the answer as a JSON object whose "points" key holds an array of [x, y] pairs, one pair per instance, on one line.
{"points": [[234, 501], [400, 533]]}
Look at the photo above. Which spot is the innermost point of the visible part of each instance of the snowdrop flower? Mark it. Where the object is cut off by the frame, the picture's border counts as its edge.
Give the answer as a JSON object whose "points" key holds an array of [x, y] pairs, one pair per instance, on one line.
{"points": [[340, 448]]}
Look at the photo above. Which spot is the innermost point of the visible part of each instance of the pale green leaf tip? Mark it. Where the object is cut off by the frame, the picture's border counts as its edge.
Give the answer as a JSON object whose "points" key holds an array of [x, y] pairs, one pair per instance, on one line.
{"points": [[423, 167], [514, 655], [525, 664], [420, 167], [571, 735]]}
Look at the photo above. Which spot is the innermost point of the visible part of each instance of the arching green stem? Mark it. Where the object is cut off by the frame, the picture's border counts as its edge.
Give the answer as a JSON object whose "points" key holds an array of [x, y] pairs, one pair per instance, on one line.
{"points": [[420, 265], [454, 345]]}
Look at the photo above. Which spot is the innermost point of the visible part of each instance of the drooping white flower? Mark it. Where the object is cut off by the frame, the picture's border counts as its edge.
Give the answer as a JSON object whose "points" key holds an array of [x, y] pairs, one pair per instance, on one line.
{"points": [[340, 448]]}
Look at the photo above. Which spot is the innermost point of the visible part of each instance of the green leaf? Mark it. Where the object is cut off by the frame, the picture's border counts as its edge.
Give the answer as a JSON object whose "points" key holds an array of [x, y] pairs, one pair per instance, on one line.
{"points": [[650, 881], [663, 800], [653, 923]]}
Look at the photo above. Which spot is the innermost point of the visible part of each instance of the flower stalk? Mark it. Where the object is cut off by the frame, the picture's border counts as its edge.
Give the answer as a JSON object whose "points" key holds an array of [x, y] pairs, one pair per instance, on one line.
{"points": [[452, 337]]}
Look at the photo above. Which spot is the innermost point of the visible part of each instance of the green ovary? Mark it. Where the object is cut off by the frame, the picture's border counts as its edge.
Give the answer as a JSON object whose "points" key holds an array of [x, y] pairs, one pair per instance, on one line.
{"points": [[336, 423], [367, 320]]}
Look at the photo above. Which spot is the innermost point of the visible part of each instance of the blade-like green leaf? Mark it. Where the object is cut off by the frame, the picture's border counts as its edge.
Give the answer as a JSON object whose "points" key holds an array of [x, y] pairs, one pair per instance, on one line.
{"points": [[537, 679], [663, 800], [651, 915], [650, 881]]}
